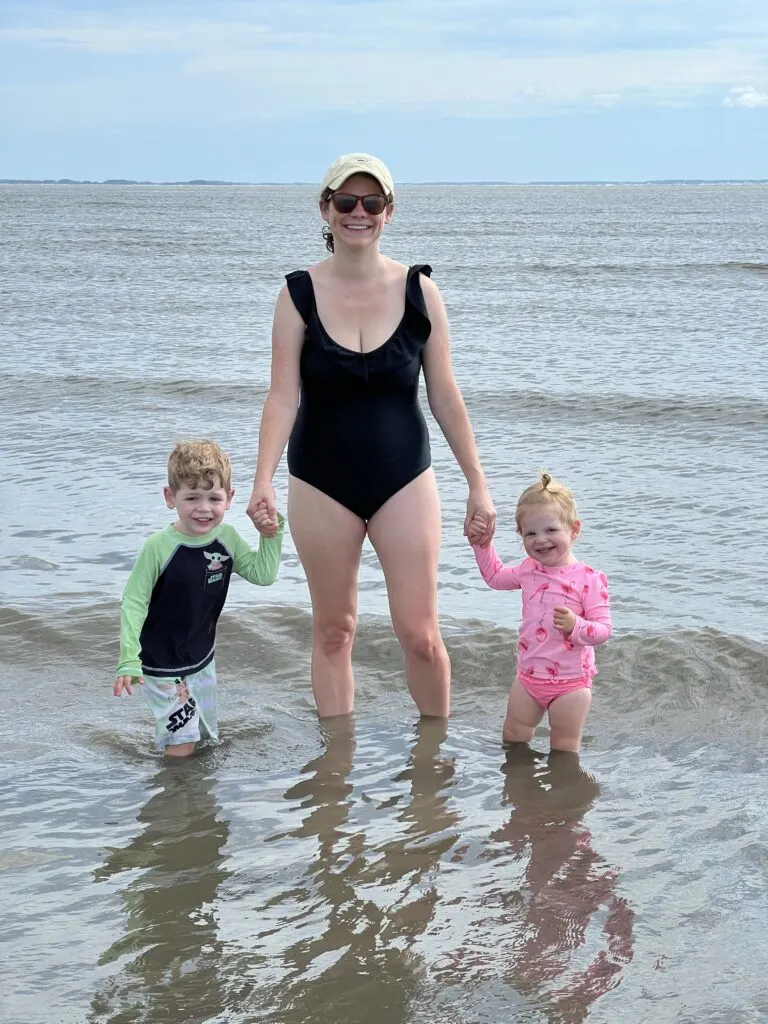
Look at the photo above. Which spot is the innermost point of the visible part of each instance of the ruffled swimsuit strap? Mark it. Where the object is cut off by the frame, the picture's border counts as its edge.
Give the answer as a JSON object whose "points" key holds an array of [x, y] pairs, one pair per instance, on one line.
{"points": [[416, 320], [302, 293]]}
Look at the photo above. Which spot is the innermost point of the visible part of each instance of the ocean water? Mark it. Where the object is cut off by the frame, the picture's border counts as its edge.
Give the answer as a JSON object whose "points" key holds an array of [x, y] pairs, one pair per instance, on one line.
{"points": [[390, 871]]}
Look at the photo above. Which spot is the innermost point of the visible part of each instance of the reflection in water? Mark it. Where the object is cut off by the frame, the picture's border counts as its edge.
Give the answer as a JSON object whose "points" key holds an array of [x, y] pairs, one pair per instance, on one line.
{"points": [[347, 932], [171, 937], [561, 933], [366, 899]]}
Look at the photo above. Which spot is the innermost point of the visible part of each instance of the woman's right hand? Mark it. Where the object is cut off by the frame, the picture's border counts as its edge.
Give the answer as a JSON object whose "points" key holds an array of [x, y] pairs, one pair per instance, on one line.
{"points": [[263, 497]]}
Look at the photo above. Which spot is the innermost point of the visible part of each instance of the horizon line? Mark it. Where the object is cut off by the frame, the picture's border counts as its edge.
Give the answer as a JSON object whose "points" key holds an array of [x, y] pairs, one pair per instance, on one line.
{"points": [[436, 181]]}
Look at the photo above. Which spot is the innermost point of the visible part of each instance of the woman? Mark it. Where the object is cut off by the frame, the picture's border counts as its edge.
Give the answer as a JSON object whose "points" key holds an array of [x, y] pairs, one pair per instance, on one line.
{"points": [[349, 338]]}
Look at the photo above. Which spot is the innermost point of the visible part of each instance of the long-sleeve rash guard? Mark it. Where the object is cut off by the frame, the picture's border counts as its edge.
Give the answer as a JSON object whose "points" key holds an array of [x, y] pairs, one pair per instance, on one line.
{"points": [[543, 651], [175, 593]]}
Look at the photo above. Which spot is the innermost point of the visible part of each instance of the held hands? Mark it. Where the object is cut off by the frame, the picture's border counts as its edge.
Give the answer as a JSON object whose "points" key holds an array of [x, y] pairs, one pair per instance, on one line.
{"points": [[478, 527], [124, 684], [262, 510], [263, 521], [564, 620], [480, 522]]}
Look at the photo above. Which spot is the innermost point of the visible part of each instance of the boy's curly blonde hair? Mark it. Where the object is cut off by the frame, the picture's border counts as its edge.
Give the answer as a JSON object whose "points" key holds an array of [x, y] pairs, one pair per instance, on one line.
{"points": [[199, 463], [547, 492]]}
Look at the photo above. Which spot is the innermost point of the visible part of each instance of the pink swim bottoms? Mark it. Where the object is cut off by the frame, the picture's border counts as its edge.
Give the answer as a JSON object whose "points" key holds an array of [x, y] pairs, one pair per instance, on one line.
{"points": [[544, 691]]}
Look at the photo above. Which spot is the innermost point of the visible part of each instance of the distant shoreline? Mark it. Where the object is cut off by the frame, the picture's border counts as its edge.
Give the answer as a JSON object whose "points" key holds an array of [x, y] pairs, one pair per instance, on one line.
{"points": [[203, 181]]}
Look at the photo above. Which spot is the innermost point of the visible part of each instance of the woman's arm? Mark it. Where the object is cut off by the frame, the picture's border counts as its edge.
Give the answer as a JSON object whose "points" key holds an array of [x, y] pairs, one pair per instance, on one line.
{"points": [[449, 410], [282, 401]]}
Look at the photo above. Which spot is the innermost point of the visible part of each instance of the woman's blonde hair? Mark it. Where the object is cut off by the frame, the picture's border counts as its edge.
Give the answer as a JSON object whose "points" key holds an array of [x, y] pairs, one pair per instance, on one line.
{"points": [[547, 492]]}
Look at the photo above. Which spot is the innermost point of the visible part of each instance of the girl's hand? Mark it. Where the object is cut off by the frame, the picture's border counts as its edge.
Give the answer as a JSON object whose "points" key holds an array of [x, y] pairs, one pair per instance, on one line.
{"points": [[478, 528], [480, 505], [564, 620], [123, 684], [263, 498]]}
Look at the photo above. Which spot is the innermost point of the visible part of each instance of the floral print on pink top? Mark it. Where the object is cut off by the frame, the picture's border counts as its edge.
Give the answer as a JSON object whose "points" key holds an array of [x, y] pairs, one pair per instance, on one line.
{"points": [[542, 651]]}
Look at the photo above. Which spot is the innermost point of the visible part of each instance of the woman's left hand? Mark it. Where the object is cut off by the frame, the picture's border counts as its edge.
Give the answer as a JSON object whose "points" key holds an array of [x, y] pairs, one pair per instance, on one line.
{"points": [[480, 508]]}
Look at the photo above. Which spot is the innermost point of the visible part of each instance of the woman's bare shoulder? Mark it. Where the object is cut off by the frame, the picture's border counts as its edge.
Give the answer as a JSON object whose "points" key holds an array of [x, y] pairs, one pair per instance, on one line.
{"points": [[431, 293], [321, 267]]}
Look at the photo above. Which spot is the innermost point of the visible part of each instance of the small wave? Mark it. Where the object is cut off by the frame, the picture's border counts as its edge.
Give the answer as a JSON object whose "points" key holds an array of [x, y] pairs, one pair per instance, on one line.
{"points": [[674, 668], [30, 562], [760, 268], [35, 391], [583, 269], [32, 391], [709, 411]]}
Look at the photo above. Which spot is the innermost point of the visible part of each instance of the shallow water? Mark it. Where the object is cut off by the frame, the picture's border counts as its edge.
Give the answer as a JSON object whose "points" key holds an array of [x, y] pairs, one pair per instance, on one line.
{"points": [[390, 872]]}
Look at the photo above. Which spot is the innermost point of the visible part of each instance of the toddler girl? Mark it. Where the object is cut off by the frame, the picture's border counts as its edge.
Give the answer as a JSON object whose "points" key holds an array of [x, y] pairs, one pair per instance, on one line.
{"points": [[565, 615]]}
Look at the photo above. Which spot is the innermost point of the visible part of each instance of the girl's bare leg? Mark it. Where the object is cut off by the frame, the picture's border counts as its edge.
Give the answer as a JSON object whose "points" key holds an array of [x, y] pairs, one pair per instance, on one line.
{"points": [[567, 715], [523, 715]]}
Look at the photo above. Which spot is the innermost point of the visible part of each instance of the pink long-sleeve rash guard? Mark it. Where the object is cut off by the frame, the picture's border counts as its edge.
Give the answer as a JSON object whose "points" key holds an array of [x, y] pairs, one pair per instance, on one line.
{"points": [[543, 652]]}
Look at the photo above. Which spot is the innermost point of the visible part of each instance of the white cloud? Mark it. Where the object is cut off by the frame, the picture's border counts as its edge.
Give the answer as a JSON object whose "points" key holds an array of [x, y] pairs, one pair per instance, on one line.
{"points": [[606, 99], [260, 59], [467, 82], [498, 26], [156, 36], [746, 96], [253, 85]]}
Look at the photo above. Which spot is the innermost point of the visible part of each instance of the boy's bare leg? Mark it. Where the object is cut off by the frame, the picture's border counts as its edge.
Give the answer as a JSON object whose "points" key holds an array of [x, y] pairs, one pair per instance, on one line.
{"points": [[179, 749]]}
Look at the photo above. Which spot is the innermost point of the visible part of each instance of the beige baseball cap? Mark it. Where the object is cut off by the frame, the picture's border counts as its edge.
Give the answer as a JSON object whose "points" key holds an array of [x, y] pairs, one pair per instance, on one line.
{"points": [[357, 163]]}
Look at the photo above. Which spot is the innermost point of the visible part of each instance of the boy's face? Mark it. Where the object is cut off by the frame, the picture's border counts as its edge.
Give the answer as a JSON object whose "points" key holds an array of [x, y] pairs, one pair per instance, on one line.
{"points": [[199, 509]]}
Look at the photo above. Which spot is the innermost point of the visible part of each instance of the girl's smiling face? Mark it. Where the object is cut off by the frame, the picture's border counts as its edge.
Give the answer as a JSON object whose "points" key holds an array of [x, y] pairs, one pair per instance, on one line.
{"points": [[547, 538]]}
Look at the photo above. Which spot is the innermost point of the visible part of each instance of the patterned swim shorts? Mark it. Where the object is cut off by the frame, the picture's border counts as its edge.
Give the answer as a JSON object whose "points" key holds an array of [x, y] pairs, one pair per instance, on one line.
{"points": [[184, 708]]}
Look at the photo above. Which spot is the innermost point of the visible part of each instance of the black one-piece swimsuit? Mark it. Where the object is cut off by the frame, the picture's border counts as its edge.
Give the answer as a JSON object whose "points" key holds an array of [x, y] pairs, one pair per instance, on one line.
{"points": [[360, 435]]}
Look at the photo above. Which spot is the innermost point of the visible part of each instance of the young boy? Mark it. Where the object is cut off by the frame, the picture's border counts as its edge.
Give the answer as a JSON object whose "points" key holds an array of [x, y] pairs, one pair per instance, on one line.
{"points": [[176, 591]]}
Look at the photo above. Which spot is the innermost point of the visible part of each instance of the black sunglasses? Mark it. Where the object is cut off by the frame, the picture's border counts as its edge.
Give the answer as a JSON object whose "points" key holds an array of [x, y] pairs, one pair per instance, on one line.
{"points": [[345, 202]]}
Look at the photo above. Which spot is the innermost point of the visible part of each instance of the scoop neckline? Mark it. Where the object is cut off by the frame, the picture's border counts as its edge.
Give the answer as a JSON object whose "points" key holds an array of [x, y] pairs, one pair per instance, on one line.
{"points": [[352, 351]]}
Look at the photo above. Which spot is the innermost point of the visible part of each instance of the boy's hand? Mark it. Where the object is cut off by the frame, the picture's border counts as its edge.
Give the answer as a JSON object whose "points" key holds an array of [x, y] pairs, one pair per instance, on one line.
{"points": [[564, 620], [124, 684], [266, 524], [478, 525]]}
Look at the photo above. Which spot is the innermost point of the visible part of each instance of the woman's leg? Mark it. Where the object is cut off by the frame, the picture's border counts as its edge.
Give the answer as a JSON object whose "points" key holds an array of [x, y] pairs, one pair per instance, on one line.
{"points": [[567, 715], [328, 539], [405, 533], [523, 715]]}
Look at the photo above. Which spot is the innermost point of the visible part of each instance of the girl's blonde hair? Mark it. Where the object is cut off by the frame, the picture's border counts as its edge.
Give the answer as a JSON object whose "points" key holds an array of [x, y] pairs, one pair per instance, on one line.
{"points": [[547, 492]]}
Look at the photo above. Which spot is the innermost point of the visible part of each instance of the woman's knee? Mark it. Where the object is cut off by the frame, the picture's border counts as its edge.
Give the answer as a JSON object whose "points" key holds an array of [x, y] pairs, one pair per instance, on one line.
{"points": [[335, 635], [424, 643]]}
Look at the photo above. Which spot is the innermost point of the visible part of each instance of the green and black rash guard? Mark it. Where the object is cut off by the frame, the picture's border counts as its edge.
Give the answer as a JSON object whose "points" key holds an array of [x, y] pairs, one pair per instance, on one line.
{"points": [[175, 594]]}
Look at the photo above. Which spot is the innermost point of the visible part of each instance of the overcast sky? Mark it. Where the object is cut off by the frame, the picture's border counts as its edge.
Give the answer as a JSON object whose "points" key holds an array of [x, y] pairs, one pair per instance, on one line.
{"points": [[272, 90]]}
